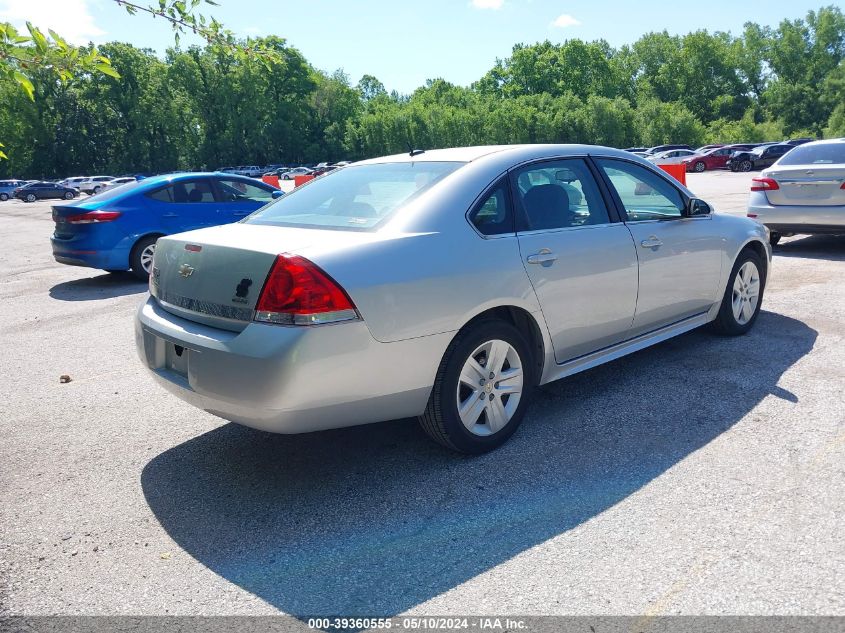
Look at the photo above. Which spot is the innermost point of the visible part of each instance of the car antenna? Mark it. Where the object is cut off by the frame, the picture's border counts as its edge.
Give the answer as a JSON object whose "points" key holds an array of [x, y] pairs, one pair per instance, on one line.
{"points": [[414, 152]]}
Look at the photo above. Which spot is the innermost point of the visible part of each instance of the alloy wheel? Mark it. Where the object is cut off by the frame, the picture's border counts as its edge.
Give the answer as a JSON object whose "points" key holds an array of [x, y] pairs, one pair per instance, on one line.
{"points": [[490, 387], [147, 257], [700, 167], [746, 292]]}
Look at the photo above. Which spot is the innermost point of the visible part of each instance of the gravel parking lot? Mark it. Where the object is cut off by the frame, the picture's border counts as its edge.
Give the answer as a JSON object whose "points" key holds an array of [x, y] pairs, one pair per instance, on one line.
{"points": [[704, 475]]}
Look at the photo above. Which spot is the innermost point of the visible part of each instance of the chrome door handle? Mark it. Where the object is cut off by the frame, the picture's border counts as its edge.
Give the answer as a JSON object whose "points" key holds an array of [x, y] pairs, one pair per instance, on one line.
{"points": [[652, 242], [545, 256]]}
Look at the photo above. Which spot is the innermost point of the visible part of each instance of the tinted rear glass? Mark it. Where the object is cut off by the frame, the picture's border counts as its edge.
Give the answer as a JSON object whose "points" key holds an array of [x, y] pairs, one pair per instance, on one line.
{"points": [[827, 154], [354, 198]]}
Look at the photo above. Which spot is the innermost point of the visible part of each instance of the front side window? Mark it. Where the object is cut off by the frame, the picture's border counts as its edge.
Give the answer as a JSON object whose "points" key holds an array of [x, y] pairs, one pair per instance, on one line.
{"points": [[493, 216], [359, 197], [233, 190], [558, 194], [644, 194]]}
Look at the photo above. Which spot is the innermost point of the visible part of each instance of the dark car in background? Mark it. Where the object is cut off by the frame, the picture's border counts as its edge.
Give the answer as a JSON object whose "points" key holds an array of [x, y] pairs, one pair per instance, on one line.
{"points": [[117, 229], [41, 190], [757, 158]]}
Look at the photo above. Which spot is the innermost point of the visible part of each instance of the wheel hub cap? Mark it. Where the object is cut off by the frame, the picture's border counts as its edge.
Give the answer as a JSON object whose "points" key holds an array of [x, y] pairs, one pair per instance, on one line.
{"points": [[746, 293], [489, 387]]}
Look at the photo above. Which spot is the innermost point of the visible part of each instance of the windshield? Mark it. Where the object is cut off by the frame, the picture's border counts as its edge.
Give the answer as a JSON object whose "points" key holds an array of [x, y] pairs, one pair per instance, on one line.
{"points": [[824, 154], [358, 197]]}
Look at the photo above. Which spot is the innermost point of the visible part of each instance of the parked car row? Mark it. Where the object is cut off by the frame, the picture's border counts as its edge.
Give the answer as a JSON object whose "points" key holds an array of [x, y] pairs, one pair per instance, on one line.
{"points": [[736, 157]]}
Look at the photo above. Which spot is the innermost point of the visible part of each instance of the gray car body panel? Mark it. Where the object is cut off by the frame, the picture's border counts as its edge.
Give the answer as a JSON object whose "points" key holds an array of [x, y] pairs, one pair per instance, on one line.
{"points": [[416, 281]]}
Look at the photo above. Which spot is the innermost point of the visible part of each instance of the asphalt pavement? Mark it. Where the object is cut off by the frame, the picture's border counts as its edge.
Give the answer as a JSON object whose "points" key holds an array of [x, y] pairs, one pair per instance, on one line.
{"points": [[705, 475]]}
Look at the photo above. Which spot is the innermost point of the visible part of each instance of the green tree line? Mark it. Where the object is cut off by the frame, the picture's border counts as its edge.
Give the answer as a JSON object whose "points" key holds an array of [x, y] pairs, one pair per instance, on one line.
{"points": [[200, 108]]}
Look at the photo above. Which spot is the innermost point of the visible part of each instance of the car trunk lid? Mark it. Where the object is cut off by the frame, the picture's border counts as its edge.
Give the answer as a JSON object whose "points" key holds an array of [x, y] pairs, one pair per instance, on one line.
{"points": [[215, 275], [807, 185]]}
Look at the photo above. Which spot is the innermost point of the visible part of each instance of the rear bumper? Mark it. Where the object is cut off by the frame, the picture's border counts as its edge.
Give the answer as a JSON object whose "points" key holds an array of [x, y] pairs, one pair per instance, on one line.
{"points": [[75, 253], [795, 218], [289, 379]]}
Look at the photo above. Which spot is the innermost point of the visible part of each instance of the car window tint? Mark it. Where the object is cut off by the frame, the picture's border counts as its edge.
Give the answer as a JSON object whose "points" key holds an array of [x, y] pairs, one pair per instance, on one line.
{"points": [[493, 216], [355, 198], [644, 194], [559, 194], [184, 192], [234, 190], [822, 154]]}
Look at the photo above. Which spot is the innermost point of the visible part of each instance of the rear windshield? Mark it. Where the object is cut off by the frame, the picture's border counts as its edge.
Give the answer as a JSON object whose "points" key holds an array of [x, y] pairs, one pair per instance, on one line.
{"points": [[115, 192], [826, 154], [358, 197]]}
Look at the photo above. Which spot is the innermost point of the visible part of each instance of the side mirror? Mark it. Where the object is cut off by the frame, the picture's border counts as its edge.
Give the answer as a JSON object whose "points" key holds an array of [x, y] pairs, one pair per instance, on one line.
{"points": [[277, 194], [697, 207]]}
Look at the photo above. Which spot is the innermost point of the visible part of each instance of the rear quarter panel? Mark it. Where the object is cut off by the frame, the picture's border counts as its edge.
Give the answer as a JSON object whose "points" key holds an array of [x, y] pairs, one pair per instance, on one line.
{"points": [[415, 285]]}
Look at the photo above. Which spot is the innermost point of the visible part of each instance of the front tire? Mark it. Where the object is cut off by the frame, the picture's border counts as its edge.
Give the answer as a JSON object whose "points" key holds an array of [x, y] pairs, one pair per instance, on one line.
{"points": [[699, 167], [141, 258], [68, 195], [774, 238], [743, 296], [482, 389], [4, 197], [31, 197], [746, 165]]}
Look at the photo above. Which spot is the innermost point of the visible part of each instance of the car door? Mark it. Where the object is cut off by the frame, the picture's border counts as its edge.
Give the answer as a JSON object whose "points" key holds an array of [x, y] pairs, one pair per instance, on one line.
{"points": [[719, 158], [680, 258], [238, 198], [581, 263], [185, 205]]}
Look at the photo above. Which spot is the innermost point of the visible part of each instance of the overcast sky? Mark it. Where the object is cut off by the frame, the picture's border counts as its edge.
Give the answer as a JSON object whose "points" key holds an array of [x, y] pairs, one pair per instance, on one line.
{"points": [[405, 42]]}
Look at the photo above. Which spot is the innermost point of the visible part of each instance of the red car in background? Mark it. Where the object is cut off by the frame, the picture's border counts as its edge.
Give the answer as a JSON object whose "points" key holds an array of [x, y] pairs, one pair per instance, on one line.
{"points": [[715, 158]]}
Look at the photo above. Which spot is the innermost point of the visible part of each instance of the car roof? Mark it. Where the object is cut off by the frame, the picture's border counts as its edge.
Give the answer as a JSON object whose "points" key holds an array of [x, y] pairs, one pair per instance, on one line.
{"points": [[513, 152], [827, 141]]}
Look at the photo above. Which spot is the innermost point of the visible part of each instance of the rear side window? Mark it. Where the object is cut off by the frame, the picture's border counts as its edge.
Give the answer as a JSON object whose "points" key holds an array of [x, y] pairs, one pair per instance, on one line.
{"points": [[825, 154], [185, 192], [493, 215], [558, 194]]}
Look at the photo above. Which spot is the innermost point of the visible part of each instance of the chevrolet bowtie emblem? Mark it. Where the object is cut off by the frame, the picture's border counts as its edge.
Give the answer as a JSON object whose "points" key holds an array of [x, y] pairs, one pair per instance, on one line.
{"points": [[186, 270]]}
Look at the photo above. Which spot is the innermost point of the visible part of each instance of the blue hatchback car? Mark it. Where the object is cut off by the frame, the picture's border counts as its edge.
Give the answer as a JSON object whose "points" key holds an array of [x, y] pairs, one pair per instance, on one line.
{"points": [[117, 229]]}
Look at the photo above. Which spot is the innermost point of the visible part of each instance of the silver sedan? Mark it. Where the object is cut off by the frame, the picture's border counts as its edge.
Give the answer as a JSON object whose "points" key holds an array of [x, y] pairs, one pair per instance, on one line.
{"points": [[803, 192], [443, 284]]}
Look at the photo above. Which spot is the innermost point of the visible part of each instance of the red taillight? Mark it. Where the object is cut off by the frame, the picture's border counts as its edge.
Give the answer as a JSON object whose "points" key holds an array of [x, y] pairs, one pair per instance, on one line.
{"points": [[93, 217], [297, 292], [764, 184], [843, 186], [751, 215]]}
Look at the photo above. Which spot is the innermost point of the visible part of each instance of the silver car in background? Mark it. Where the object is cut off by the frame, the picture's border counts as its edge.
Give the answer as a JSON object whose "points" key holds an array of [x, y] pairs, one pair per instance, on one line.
{"points": [[802, 193], [443, 284]]}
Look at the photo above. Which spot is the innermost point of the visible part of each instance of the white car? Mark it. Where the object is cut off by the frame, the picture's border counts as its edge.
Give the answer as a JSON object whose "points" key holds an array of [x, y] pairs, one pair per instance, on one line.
{"points": [[111, 184], [94, 184], [73, 182], [672, 157]]}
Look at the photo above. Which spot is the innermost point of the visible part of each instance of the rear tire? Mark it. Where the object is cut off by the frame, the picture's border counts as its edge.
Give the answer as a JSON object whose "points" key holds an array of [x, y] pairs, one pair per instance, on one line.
{"points": [[774, 238], [468, 410], [743, 295], [4, 197], [141, 258], [31, 197]]}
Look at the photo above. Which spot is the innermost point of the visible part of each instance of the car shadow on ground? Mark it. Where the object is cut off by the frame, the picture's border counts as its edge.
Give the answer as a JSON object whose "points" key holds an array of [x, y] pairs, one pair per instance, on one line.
{"points": [[375, 520], [107, 286], [829, 247]]}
